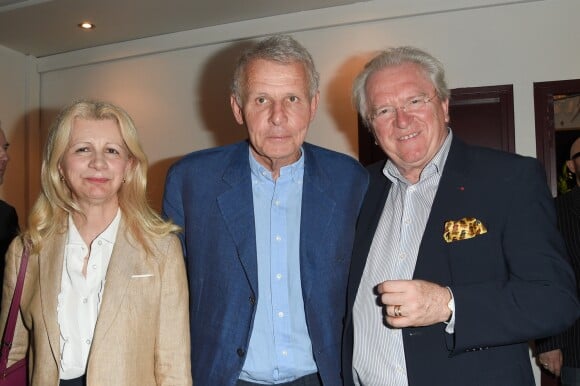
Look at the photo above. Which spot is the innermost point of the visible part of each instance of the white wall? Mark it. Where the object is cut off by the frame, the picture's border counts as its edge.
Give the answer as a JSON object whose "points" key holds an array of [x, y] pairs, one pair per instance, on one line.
{"points": [[175, 86]]}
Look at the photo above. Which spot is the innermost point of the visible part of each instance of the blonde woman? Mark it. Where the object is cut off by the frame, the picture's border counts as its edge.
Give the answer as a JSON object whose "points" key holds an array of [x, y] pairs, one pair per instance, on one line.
{"points": [[105, 296]]}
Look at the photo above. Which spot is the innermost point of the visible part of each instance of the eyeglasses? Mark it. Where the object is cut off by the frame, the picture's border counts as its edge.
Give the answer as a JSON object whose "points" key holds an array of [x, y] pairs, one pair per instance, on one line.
{"points": [[412, 106]]}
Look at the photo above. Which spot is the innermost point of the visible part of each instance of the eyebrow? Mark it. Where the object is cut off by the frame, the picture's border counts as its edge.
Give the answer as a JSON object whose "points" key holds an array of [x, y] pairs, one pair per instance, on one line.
{"points": [[576, 155]]}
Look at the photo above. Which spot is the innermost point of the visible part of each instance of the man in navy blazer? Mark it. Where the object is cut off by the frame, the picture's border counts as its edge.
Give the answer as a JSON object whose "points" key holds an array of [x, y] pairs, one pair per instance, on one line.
{"points": [[268, 231], [457, 261]]}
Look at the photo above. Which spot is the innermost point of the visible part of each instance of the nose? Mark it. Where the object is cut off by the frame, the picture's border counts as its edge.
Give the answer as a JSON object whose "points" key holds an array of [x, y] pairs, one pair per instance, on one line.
{"points": [[4, 154], [98, 161], [403, 119], [277, 113]]}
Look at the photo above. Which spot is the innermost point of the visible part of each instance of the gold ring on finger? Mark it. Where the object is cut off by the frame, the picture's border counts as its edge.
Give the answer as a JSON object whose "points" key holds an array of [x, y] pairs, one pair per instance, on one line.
{"points": [[397, 311]]}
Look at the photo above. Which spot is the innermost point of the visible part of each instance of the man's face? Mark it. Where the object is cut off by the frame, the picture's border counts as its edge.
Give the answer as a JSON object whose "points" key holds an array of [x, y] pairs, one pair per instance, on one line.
{"points": [[410, 139], [574, 162], [3, 155], [276, 110]]}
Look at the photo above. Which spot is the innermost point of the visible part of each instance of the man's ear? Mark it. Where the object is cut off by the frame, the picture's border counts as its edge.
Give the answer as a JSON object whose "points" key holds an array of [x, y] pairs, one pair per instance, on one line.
{"points": [[237, 110], [571, 165], [445, 106], [314, 105]]}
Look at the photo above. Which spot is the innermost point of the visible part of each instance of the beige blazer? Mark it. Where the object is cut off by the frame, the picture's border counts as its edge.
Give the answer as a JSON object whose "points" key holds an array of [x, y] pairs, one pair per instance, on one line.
{"points": [[142, 331]]}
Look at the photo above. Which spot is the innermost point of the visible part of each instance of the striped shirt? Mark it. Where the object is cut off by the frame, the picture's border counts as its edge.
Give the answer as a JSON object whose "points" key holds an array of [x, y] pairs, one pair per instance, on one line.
{"points": [[379, 357]]}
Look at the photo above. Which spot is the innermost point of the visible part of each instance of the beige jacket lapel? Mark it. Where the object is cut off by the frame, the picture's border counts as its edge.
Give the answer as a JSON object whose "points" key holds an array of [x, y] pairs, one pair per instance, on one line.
{"points": [[124, 259], [50, 262]]}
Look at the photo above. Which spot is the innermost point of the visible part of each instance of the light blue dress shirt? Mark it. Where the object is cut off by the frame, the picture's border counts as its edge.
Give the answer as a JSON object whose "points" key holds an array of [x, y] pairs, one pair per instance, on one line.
{"points": [[280, 349]]}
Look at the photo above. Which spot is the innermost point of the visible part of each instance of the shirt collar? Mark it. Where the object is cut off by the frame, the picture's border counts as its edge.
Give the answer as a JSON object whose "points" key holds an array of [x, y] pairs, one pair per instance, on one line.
{"points": [[109, 234], [434, 166], [294, 170]]}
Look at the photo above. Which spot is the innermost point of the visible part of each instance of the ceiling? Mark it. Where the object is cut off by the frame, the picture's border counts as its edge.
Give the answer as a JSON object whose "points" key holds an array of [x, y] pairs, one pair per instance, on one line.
{"points": [[47, 27]]}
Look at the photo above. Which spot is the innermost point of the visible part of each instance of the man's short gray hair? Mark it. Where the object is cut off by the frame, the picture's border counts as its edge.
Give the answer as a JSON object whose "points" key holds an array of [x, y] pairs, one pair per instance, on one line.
{"points": [[394, 57], [279, 48]]}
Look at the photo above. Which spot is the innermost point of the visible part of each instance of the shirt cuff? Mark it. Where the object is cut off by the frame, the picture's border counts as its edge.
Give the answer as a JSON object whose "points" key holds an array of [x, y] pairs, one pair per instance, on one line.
{"points": [[450, 328]]}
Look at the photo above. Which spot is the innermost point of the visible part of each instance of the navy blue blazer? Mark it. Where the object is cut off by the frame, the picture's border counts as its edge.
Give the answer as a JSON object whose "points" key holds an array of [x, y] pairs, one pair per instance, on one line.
{"points": [[209, 194], [510, 285]]}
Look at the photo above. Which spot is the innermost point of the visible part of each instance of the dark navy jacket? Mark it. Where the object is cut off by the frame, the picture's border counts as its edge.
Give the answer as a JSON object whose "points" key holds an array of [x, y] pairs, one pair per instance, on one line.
{"points": [[511, 284]]}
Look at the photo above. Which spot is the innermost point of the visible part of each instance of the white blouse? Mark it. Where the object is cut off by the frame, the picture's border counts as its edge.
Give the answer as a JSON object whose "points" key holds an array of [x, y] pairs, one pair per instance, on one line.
{"points": [[80, 298]]}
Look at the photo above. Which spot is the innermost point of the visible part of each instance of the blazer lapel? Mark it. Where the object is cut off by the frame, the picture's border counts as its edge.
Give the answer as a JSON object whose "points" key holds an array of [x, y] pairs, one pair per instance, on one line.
{"points": [[50, 262], [449, 197], [370, 214], [237, 208], [124, 259], [316, 214]]}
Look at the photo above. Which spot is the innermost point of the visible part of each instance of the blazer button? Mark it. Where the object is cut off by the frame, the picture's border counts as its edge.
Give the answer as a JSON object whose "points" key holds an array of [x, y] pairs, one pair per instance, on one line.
{"points": [[252, 300], [241, 352]]}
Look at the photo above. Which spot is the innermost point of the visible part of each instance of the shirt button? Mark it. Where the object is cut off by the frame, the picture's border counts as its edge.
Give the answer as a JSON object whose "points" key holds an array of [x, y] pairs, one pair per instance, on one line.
{"points": [[85, 300], [94, 266], [279, 276], [278, 238], [252, 300], [100, 242], [402, 255], [88, 341], [280, 314], [241, 352], [285, 353], [277, 202]]}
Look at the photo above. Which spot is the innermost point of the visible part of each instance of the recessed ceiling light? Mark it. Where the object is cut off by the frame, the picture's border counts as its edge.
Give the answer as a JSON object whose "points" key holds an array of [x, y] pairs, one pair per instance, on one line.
{"points": [[86, 25]]}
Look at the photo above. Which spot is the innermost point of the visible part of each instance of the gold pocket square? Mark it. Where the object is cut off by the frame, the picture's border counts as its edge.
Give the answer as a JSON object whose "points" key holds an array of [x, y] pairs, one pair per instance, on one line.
{"points": [[466, 228]]}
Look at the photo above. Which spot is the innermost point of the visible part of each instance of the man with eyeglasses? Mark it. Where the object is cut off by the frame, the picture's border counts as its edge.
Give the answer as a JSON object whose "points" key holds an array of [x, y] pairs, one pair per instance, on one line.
{"points": [[560, 354], [457, 260]]}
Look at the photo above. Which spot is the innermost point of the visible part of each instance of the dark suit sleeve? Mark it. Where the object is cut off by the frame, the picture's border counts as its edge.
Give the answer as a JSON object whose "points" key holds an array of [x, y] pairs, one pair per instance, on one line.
{"points": [[8, 227], [533, 294], [8, 231]]}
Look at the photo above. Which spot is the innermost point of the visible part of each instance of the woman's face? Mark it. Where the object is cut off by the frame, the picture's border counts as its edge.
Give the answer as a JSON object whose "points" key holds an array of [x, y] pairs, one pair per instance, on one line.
{"points": [[95, 162]]}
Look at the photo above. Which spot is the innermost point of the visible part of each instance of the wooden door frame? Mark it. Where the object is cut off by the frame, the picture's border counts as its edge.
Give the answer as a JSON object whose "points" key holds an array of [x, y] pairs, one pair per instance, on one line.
{"points": [[498, 94], [545, 129]]}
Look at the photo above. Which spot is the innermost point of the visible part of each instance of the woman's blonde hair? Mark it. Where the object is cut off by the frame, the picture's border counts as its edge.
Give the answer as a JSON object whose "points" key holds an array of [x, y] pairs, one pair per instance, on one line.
{"points": [[55, 202]]}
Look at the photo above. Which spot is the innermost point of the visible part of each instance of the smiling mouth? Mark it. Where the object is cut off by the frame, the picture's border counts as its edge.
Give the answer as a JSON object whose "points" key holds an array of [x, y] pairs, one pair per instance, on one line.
{"points": [[406, 137], [98, 179]]}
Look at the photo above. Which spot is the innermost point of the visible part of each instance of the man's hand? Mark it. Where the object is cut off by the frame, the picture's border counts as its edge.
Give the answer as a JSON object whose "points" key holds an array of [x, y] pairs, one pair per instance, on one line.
{"points": [[552, 361], [414, 303]]}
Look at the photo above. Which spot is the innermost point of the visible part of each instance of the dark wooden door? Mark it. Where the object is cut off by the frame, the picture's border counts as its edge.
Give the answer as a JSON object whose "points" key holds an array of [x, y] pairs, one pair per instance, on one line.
{"points": [[478, 115], [544, 93]]}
